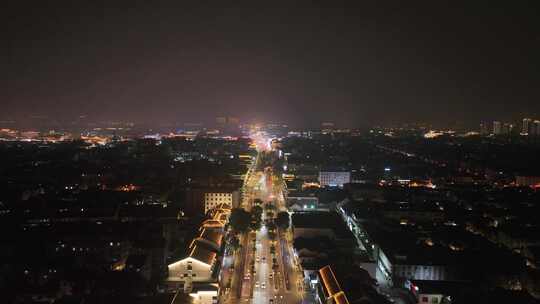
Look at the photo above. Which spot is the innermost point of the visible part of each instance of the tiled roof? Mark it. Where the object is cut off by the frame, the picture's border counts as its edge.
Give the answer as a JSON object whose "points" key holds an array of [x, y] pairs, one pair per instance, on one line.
{"points": [[203, 255], [331, 286]]}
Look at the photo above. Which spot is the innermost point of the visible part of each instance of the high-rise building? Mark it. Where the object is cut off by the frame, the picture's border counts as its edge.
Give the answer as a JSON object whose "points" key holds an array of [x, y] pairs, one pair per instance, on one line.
{"points": [[526, 127], [484, 129], [227, 120], [535, 128], [228, 125], [497, 128], [507, 128], [221, 120]]}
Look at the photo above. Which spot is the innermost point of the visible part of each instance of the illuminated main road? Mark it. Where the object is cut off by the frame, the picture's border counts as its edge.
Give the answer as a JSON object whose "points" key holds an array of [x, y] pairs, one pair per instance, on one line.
{"points": [[267, 285]]}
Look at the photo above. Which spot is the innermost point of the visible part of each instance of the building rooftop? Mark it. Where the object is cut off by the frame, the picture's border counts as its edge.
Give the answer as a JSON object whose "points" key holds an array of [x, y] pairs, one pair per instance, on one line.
{"points": [[213, 224], [322, 220], [330, 283], [303, 193], [450, 246], [210, 237], [403, 246], [334, 169], [203, 255], [331, 286], [166, 298], [440, 287], [341, 298], [213, 235]]}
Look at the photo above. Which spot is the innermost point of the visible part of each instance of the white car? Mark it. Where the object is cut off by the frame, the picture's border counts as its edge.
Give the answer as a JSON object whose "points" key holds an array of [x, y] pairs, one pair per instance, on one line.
{"points": [[257, 284], [263, 285]]}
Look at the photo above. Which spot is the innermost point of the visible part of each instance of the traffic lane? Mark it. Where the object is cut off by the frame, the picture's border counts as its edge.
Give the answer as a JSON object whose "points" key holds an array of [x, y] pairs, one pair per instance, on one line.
{"points": [[273, 291], [261, 285], [227, 274], [295, 293], [243, 286]]}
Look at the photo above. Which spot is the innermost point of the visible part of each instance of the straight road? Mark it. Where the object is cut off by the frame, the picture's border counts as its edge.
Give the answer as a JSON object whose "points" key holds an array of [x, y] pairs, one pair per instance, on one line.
{"points": [[280, 284]]}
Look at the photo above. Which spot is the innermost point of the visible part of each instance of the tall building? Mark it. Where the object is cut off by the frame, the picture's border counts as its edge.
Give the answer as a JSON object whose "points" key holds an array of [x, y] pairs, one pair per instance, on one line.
{"points": [[526, 127], [228, 125], [221, 120], [535, 128], [233, 120], [497, 128], [227, 120], [484, 129], [507, 128]]}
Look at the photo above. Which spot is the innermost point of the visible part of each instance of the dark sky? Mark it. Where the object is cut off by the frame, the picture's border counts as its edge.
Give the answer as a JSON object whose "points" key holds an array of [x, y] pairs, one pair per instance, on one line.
{"points": [[192, 60]]}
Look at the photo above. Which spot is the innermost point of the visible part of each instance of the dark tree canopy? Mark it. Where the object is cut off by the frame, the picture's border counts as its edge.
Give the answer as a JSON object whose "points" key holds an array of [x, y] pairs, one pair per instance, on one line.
{"points": [[240, 220], [283, 220]]}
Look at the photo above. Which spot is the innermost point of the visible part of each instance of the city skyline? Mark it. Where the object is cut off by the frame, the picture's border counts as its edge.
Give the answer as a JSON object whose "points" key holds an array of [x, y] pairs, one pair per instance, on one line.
{"points": [[45, 123]]}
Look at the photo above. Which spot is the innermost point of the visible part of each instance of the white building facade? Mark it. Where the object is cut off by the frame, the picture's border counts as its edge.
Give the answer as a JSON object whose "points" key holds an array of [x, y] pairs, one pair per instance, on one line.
{"points": [[334, 178], [213, 199], [197, 267]]}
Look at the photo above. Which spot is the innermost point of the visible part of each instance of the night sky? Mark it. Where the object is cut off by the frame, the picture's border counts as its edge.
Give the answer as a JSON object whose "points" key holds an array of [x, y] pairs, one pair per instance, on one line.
{"points": [[194, 60]]}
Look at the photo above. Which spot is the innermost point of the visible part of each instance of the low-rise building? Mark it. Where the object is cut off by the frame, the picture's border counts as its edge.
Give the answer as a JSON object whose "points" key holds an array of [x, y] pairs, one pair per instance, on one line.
{"points": [[216, 197], [428, 292], [328, 289], [322, 224], [302, 201], [334, 178], [198, 266]]}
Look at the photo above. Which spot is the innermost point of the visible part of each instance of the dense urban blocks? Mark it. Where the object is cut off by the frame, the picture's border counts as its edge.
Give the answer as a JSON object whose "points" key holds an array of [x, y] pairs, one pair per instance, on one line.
{"points": [[405, 218]]}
